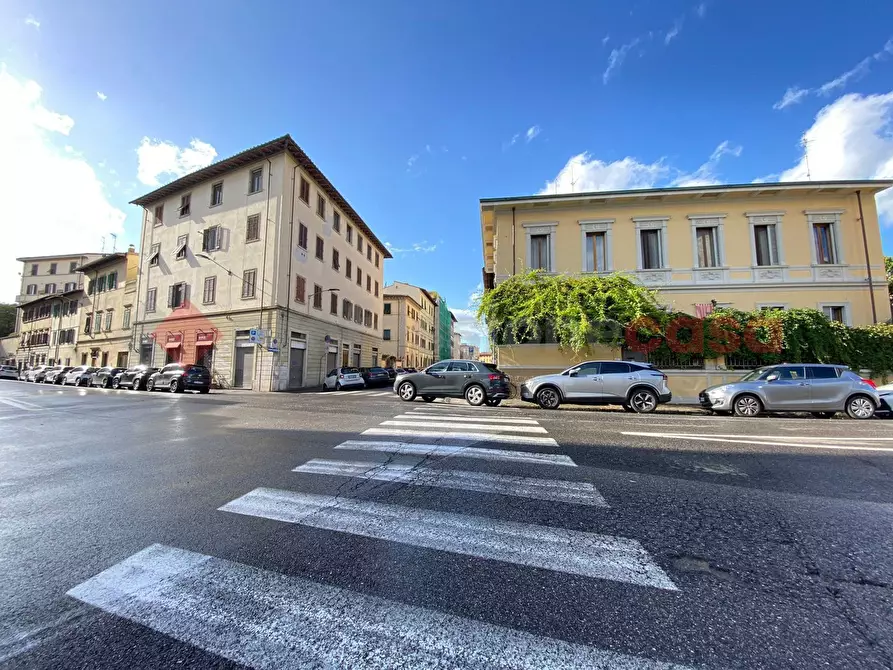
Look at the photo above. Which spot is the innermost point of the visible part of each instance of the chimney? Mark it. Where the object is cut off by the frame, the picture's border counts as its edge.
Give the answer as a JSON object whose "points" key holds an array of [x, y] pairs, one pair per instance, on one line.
{"points": [[131, 249]]}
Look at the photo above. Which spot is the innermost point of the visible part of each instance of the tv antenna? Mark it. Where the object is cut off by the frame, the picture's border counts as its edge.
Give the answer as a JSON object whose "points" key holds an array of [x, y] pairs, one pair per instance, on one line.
{"points": [[805, 144], [114, 241]]}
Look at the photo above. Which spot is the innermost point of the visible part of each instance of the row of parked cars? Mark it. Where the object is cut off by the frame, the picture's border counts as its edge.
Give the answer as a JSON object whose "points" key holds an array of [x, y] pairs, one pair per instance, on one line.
{"points": [[174, 377], [354, 378]]}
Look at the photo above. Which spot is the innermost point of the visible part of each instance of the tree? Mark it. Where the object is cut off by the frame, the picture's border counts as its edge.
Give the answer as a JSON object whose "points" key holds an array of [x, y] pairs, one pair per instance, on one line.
{"points": [[888, 266], [7, 318]]}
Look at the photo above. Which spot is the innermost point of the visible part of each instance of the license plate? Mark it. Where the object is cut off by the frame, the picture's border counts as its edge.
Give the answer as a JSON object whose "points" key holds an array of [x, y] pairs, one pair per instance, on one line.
{"points": [[350, 376]]}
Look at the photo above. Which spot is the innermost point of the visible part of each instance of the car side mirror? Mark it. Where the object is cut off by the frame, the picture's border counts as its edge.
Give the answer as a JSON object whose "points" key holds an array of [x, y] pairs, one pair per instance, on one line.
{"points": [[574, 374]]}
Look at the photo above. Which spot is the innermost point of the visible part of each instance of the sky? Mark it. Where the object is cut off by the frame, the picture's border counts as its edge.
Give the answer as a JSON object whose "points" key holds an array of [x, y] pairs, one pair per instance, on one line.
{"points": [[416, 110]]}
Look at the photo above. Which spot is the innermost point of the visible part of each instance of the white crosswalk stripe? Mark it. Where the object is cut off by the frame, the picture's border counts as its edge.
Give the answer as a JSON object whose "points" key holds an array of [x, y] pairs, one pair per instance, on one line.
{"points": [[461, 435], [367, 393], [465, 417], [447, 450], [559, 549], [467, 426], [213, 604], [21, 404], [555, 490]]}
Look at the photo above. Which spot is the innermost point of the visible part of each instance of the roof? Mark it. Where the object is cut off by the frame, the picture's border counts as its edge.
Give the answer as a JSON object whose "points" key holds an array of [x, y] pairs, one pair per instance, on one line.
{"points": [[453, 317], [252, 155], [872, 185], [102, 262], [25, 259]]}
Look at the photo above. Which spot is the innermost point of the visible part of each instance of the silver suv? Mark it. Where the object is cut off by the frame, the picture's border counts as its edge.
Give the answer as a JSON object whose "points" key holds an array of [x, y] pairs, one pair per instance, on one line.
{"points": [[822, 390], [638, 387]]}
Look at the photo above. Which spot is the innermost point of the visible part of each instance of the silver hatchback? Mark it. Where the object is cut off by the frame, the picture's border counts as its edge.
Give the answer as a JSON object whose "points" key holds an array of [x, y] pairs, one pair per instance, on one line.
{"points": [[822, 390]]}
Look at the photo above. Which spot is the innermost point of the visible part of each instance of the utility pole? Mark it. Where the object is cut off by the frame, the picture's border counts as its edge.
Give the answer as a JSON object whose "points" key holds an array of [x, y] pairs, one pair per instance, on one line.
{"points": [[805, 144]]}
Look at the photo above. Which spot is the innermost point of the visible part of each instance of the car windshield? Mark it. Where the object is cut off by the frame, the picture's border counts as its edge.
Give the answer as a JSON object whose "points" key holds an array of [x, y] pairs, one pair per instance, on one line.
{"points": [[754, 375], [377, 370]]}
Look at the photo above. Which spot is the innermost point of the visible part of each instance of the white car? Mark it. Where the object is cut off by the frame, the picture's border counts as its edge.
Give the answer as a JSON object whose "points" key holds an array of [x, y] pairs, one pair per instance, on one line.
{"points": [[79, 376], [8, 372], [343, 378], [31, 373]]}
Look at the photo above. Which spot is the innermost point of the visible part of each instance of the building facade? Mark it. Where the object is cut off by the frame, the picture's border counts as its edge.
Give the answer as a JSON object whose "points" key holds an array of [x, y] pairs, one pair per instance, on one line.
{"points": [[50, 329], [48, 275], [443, 327], [785, 245], [259, 268], [457, 344], [468, 352], [409, 326]]}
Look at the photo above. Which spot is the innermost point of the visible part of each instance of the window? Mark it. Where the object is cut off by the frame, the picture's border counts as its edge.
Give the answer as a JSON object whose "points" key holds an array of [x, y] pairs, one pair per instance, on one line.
{"points": [[108, 320], [539, 253], [376, 288], [377, 259], [791, 372], [357, 355], [387, 308], [375, 321], [51, 287], [766, 244], [177, 295], [305, 190], [367, 318], [336, 221], [652, 258], [769, 308], [185, 202], [150, 300], [320, 206], [100, 284], [359, 243], [31, 290], [209, 294], [368, 284], [320, 248], [256, 180], [317, 296], [368, 252], [88, 324], [154, 253], [211, 238], [386, 334], [825, 251], [252, 228], [300, 288], [357, 314], [159, 215], [126, 321], [346, 309], [439, 367], [822, 372], [249, 281], [333, 304], [182, 240], [834, 313], [349, 235], [614, 368], [217, 194], [706, 240], [596, 256], [302, 236], [70, 286], [348, 268], [34, 269], [336, 260], [53, 268], [359, 277], [112, 281]]}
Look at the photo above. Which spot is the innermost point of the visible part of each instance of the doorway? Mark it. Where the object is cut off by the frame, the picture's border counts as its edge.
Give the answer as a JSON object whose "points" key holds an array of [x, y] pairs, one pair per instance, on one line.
{"points": [[296, 365], [244, 372]]}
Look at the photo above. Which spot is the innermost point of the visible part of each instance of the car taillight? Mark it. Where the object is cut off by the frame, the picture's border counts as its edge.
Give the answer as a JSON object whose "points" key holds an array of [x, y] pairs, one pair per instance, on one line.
{"points": [[340, 376], [869, 382], [494, 378]]}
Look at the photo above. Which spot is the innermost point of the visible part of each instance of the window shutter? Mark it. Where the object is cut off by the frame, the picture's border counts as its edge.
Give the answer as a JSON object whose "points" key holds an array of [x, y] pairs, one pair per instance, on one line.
{"points": [[170, 296], [185, 294]]}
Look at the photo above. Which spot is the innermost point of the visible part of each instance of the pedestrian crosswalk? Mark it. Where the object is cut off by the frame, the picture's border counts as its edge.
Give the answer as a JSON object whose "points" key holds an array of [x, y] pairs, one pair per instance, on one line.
{"points": [[208, 601], [358, 394]]}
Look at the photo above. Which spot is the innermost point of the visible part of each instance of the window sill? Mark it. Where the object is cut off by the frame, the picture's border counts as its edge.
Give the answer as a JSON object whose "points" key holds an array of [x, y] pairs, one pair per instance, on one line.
{"points": [[769, 267], [830, 265], [219, 204], [248, 297], [256, 239], [184, 216], [260, 190], [711, 267]]}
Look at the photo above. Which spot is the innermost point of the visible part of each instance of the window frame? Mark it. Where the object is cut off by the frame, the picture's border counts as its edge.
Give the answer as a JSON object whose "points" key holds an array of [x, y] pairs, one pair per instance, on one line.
{"points": [[348, 233], [386, 334], [716, 222], [846, 312], [333, 303], [154, 255], [304, 190], [548, 229], [317, 296], [182, 243], [209, 287], [336, 260], [321, 206], [249, 284], [173, 290], [320, 251], [756, 219], [649, 224], [303, 233], [251, 175], [214, 191], [831, 219], [348, 268], [300, 289], [158, 215], [336, 220], [253, 219], [151, 300], [185, 204], [207, 246], [109, 316]]}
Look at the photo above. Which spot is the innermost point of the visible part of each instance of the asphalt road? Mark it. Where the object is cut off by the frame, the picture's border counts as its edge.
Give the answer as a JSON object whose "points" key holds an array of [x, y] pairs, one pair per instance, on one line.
{"points": [[354, 530]]}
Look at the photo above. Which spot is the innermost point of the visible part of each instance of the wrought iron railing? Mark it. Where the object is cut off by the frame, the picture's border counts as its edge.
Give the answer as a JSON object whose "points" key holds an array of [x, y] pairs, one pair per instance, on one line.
{"points": [[672, 361]]}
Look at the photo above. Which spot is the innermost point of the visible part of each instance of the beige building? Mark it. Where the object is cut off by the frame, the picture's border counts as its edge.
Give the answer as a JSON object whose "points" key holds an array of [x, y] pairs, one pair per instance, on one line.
{"points": [[106, 322], [48, 275], [259, 268], [50, 329], [457, 343], [409, 326]]}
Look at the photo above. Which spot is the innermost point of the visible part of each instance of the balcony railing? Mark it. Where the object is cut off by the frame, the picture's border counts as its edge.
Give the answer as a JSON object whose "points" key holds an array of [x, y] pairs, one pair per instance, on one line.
{"points": [[671, 361]]}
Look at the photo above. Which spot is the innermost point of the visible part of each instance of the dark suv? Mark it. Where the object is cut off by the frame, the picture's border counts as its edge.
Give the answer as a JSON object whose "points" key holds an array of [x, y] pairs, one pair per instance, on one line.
{"points": [[177, 377], [477, 382], [375, 376], [103, 377], [134, 378]]}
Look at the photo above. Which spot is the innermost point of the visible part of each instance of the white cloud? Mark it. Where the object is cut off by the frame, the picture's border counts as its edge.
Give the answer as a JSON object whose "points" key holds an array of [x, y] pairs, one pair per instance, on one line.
{"points": [[102, 96], [605, 39], [31, 21], [674, 31], [851, 139], [414, 248], [701, 10], [792, 96], [706, 175], [615, 60], [156, 159], [28, 146], [531, 133], [411, 160]]}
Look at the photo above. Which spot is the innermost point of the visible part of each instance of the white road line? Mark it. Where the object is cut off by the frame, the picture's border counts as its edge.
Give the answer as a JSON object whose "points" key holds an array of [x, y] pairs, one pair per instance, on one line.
{"points": [[385, 393], [559, 549], [467, 426], [21, 404], [465, 417], [462, 435], [555, 490], [447, 450], [744, 440], [809, 438], [213, 604]]}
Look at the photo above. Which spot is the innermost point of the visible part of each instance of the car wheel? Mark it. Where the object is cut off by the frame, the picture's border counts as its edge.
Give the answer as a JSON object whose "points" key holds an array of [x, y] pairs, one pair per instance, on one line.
{"points": [[116, 384], [106, 383], [548, 398], [174, 386], [823, 415], [337, 386], [475, 395], [407, 391], [748, 405], [860, 407], [494, 402], [428, 398], [627, 408], [643, 401], [150, 385]]}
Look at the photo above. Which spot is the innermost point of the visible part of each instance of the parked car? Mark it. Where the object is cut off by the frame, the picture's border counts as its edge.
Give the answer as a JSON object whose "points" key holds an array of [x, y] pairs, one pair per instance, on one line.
{"points": [[392, 373], [178, 377], [8, 372], [134, 378], [477, 382], [31, 373], [822, 390], [375, 376], [41, 374], [79, 376], [341, 378], [103, 376], [885, 406], [405, 371], [56, 374], [637, 387]]}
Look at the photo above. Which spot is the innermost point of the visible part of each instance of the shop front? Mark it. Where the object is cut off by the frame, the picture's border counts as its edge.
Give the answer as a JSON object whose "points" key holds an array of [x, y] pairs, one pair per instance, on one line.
{"points": [[173, 348]]}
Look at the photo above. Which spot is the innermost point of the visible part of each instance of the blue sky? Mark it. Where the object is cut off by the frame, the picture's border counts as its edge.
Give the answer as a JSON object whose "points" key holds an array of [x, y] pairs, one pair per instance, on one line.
{"points": [[417, 110]]}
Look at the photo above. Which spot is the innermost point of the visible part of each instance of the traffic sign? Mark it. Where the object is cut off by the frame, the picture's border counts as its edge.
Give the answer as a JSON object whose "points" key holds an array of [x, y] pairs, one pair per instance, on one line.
{"points": [[257, 335], [273, 346]]}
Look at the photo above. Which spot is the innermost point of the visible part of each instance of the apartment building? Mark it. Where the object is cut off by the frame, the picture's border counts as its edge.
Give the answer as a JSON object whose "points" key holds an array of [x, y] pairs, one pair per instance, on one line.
{"points": [[409, 326], [106, 322], [456, 342], [49, 329], [47, 275], [468, 352], [258, 267], [443, 327]]}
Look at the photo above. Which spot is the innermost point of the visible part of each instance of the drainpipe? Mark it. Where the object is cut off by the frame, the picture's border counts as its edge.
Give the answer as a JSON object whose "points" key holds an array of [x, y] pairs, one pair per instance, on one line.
{"points": [[286, 337], [263, 275], [867, 260], [514, 252]]}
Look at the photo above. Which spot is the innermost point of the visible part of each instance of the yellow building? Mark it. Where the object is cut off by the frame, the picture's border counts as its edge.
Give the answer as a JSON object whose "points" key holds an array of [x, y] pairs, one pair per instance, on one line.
{"points": [[408, 326], [749, 246]]}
